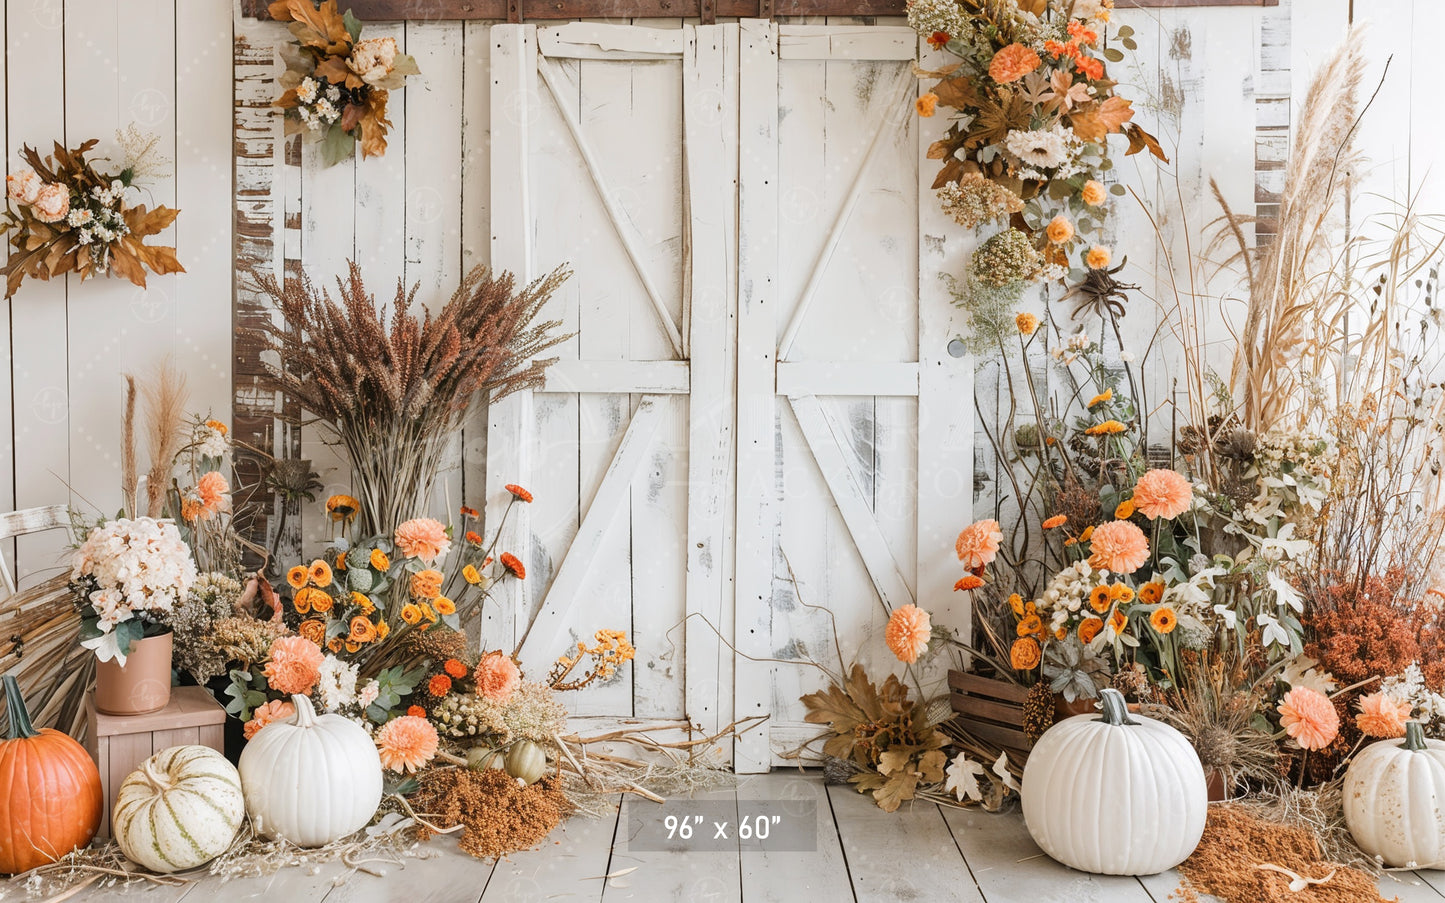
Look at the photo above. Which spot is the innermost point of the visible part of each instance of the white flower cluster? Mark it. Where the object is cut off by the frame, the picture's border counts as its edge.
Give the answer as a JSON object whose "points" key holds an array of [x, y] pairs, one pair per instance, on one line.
{"points": [[317, 107], [340, 694], [210, 442], [929, 16], [1054, 149], [1077, 345], [1066, 591], [100, 220], [136, 565], [1429, 706]]}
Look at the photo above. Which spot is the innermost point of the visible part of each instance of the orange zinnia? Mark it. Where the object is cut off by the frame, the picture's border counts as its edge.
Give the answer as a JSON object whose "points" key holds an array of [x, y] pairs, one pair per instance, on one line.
{"points": [[474, 537], [297, 576], [1164, 620], [514, 564], [967, 582], [439, 685], [518, 492], [1058, 520], [416, 711], [908, 632], [410, 613], [1090, 628], [320, 573], [1025, 653]]}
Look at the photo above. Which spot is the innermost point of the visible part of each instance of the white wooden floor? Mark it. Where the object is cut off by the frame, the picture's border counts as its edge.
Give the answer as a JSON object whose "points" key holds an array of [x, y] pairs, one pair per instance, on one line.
{"points": [[920, 853]]}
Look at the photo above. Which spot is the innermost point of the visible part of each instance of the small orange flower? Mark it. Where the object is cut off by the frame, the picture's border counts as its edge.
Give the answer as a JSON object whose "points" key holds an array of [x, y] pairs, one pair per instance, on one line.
{"points": [[352, 646], [416, 711], [1025, 653], [514, 564], [1089, 628], [1058, 520], [474, 537], [968, 582], [382, 629], [218, 426], [314, 630], [410, 613], [302, 601], [471, 575], [1087, 535], [1151, 592], [379, 560], [428, 613], [1124, 510], [1118, 620], [1382, 717], [426, 584], [1091, 67], [1099, 599], [440, 685], [320, 599], [455, 668], [444, 605], [320, 573], [342, 508], [1107, 428], [518, 492], [1060, 230], [908, 632], [1164, 620], [362, 630], [1093, 193], [926, 104], [1120, 593], [1016, 602], [938, 40], [362, 600], [1031, 625], [340, 564], [1082, 34], [1102, 397], [335, 645], [297, 576], [1061, 633], [470, 512], [1026, 323], [1012, 63], [1098, 257]]}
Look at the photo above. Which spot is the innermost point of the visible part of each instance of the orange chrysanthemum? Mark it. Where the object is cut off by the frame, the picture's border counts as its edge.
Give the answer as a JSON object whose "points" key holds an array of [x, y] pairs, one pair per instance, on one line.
{"points": [[1090, 628], [497, 677], [471, 575], [1118, 546], [1058, 520], [1162, 493], [406, 743], [379, 560], [297, 576], [1107, 428], [1060, 229], [1026, 323], [518, 492], [455, 668], [1094, 193], [908, 632], [1012, 63], [474, 537], [926, 105], [1164, 620], [423, 538], [1309, 718], [1025, 653], [1382, 716], [426, 584], [439, 686], [1098, 257], [514, 564], [1151, 592], [262, 715], [320, 573], [416, 711], [362, 630], [967, 582], [294, 665], [410, 613], [1090, 66], [978, 543]]}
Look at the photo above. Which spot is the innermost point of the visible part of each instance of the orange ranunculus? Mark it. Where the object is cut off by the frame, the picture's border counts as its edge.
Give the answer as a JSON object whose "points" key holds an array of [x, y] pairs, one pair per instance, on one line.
{"points": [[1025, 653], [318, 600], [362, 630], [1012, 63], [410, 613], [1151, 592], [343, 508], [314, 630], [297, 576], [320, 573], [426, 584], [1060, 229], [335, 645], [1098, 257], [1090, 628], [1094, 193], [352, 646], [926, 104], [444, 605], [362, 600], [428, 613], [1031, 625], [1118, 592], [340, 564]]}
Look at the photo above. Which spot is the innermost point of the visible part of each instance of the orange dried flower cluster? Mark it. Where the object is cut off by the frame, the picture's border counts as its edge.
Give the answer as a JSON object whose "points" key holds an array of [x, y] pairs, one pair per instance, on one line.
{"points": [[611, 651]]}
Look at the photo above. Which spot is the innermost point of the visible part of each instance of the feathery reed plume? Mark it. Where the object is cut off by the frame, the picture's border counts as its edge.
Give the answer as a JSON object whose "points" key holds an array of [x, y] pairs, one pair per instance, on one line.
{"points": [[165, 409], [394, 386], [1290, 284], [127, 448]]}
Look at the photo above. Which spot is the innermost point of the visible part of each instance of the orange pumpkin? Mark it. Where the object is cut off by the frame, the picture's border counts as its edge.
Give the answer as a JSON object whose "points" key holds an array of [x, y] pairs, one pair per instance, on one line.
{"points": [[50, 796]]}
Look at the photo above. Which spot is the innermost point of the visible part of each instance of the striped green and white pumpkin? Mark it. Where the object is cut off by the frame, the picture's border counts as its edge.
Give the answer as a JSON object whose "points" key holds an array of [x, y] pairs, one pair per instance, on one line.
{"points": [[180, 809]]}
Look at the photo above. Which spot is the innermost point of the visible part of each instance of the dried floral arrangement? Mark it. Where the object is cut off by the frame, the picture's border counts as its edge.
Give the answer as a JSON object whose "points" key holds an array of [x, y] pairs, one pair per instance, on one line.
{"points": [[1026, 149], [67, 213], [337, 83]]}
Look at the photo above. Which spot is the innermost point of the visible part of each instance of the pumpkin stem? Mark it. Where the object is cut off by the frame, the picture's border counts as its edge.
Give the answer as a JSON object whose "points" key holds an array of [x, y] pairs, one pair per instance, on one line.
{"points": [[305, 712], [20, 726], [1414, 737], [159, 782], [1115, 708]]}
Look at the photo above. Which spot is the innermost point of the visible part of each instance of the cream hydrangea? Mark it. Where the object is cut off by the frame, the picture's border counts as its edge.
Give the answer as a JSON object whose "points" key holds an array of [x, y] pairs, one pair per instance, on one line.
{"points": [[132, 567]]}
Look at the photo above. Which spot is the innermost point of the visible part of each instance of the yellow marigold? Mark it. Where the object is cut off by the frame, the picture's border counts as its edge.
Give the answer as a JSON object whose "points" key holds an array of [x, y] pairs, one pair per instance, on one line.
{"points": [[1058, 520], [1025, 653], [410, 613], [926, 104], [1094, 193], [320, 573], [908, 632], [379, 560], [1012, 63], [1026, 323], [1102, 397], [1060, 229], [1098, 257], [471, 575], [1124, 510], [1164, 620]]}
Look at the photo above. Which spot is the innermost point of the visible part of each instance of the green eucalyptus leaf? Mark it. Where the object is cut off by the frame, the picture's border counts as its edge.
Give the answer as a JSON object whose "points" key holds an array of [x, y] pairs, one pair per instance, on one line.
{"points": [[336, 146], [353, 26]]}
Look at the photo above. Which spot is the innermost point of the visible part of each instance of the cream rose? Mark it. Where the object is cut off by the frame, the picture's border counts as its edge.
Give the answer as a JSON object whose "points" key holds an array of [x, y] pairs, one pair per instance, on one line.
{"points": [[52, 203], [24, 185], [373, 59]]}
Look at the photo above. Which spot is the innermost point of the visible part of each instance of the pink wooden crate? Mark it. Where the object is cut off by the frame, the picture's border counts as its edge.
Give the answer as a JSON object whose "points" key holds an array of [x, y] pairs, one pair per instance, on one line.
{"points": [[119, 743]]}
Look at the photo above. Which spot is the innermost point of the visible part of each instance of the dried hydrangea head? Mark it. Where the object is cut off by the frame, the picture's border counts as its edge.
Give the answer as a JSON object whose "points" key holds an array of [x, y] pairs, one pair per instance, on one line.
{"points": [[975, 200], [1005, 259]]}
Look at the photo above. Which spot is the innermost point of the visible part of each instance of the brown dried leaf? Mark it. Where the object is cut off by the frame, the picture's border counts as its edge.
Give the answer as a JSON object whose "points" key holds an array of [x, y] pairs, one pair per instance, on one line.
{"points": [[951, 171], [1140, 140], [957, 92]]}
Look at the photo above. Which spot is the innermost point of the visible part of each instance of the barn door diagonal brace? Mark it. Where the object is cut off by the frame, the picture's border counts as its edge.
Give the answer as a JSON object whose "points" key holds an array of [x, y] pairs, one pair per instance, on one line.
{"points": [[614, 213]]}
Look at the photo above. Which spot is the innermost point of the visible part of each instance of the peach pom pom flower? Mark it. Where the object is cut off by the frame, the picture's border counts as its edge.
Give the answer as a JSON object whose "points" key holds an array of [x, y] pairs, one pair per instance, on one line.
{"points": [[1309, 718], [275, 710], [978, 543], [1060, 230], [295, 665], [424, 539], [1012, 63], [1382, 716], [1118, 546], [1162, 493], [1026, 323], [1094, 193], [214, 493], [406, 743], [909, 630], [1098, 257], [497, 677]]}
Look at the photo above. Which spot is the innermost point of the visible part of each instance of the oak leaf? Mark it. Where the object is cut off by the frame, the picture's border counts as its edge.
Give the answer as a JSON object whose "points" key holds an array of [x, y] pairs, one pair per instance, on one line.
{"points": [[957, 92], [1094, 123]]}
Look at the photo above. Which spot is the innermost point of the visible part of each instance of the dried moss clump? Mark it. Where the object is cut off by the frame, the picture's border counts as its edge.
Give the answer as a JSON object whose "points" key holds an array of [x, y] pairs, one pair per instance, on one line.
{"points": [[501, 815]]}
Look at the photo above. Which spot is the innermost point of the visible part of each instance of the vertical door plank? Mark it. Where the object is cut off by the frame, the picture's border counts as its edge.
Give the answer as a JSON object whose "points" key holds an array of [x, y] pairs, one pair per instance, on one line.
{"points": [[475, 221], [7, 360], [379, 204], [758, 297]]}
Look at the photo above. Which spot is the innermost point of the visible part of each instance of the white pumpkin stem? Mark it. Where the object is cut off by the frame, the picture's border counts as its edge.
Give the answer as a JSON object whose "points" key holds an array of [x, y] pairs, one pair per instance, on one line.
{"points": [[1414, 737], [1115, 708], [305, 712], [159, 782]]}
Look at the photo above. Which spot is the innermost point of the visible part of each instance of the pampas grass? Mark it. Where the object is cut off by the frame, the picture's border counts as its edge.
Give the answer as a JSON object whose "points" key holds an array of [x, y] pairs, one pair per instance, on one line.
{"points": [[165, 399], [128, 476]]}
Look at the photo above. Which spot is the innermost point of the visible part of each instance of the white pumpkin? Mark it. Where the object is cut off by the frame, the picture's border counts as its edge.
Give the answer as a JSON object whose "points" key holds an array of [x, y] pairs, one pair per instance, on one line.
{"points": [[526, 761], [1395, 800], [311, 778], [1115, 794], [180, 809]]}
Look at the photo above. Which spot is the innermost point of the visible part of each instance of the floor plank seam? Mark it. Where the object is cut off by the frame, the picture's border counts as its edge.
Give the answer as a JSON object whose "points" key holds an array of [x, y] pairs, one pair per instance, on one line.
{"points": [[958, 846], [842, 847]]}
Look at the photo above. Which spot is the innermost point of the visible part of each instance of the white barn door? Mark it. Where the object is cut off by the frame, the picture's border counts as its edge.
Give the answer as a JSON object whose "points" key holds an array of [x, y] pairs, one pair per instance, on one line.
{"points": [[613, 149]]}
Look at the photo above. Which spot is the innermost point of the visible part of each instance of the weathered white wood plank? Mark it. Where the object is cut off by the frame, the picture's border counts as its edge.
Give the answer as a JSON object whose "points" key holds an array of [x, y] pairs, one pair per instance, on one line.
{"points": [[671, 875], [847, 378], [567, 588], [475, 219], [710, 115], [590, 40], [567, 866], [821, 874], [447, 875], [380, 211], [830, 42], [758, 294], [619, 377], [885, 850], [7, 360]]}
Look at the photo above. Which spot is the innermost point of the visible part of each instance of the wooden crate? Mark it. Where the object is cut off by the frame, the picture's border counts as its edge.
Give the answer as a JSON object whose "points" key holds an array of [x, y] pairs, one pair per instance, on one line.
{"points": [[119, 743], [992, 710]]}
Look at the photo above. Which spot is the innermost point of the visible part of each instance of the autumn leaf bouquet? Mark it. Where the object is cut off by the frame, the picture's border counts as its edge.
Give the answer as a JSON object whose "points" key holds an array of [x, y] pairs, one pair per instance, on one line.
{"points": [[1031, 107], [336, 82], [66, 215]]}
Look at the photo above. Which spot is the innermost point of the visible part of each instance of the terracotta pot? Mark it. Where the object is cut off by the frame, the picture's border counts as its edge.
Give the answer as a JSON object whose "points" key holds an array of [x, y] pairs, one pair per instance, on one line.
{"points": [[142, 685], [1065, 709], [1214, 781]]}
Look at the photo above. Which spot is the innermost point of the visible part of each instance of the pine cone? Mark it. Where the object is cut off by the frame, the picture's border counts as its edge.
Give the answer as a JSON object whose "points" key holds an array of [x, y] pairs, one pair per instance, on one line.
{"points": [[1038, 711]]}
